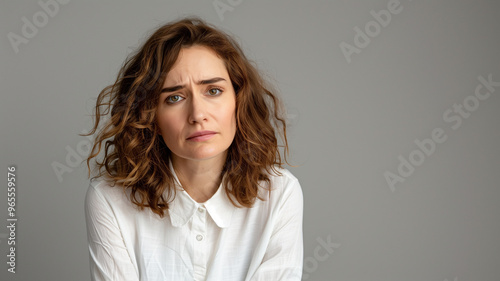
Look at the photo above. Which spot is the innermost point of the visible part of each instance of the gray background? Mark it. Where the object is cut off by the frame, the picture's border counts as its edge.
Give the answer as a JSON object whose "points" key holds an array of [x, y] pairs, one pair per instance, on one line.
{"points": [[349, 123]]}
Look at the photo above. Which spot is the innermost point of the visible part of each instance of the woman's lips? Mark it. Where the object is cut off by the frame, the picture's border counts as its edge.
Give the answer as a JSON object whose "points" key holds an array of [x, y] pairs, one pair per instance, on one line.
{"points": [[202, 136]]}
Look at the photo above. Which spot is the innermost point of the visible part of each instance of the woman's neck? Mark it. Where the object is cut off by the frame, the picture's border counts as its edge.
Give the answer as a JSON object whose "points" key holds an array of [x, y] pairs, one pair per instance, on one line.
{"points": [[200, 178]]}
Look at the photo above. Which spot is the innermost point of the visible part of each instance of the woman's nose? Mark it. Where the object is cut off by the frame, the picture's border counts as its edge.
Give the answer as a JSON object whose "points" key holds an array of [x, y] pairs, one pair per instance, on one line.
{"points": [[197, 109]]}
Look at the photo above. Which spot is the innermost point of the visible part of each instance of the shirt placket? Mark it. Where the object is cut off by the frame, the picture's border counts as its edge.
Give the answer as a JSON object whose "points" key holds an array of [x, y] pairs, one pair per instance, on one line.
{"points": [[199, 234]]}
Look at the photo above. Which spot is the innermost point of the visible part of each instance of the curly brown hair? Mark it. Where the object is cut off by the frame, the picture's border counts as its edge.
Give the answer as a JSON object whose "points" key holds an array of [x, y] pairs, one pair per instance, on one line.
{"points": [[136, 157]]}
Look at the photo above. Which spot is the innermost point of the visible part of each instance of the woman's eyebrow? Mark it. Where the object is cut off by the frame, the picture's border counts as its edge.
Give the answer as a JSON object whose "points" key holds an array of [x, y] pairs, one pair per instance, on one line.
{"points": [[201, 82]]}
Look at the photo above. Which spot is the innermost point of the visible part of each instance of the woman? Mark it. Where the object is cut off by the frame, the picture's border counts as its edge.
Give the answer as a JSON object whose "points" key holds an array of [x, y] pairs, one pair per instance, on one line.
{"points": [[191, 184]]}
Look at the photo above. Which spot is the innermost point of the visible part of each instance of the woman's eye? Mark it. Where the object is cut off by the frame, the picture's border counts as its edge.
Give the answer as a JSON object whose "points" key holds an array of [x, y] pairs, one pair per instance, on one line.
{"points": [[214, 91], [173, 99]]}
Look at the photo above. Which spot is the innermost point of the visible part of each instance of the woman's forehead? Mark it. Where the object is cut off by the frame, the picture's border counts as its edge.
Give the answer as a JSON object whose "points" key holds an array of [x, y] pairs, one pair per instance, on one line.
{"points": [[196, 63]]}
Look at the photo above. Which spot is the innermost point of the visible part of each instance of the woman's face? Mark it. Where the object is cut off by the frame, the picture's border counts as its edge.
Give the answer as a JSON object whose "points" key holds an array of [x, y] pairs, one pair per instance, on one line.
{"points": [[197, 98]]}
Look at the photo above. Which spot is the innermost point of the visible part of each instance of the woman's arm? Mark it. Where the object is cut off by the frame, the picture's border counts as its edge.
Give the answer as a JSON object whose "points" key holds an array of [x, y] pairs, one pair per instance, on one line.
{"points": [[109, 259], [283, 259]]}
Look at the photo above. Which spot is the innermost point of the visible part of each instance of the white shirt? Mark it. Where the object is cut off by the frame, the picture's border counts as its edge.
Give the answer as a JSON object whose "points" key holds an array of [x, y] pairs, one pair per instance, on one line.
{"points": [[213, 240]]}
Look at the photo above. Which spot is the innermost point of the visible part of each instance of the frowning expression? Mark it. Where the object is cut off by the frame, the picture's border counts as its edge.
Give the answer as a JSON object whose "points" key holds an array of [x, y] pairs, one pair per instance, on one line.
{"points": [[196, 109]]}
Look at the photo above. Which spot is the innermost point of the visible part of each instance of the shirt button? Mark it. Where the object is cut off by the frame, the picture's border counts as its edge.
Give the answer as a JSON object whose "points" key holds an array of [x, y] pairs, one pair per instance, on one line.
{"points": [[200, 209], [199, 237]]}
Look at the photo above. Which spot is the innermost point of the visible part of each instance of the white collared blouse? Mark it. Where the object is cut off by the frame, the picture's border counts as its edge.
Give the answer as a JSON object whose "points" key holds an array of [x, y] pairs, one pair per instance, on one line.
{"points": [[213, 240]]}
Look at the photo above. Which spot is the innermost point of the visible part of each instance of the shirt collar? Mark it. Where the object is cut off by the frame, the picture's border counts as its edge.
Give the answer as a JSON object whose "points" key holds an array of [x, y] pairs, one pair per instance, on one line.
{"points": [[183, 207]]}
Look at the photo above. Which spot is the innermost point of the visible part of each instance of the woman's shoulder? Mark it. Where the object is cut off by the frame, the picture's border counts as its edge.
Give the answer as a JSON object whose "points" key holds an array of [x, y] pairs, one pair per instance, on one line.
{"points": [[103, 185], [281, 175], [283, 181], [104, 191]]}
